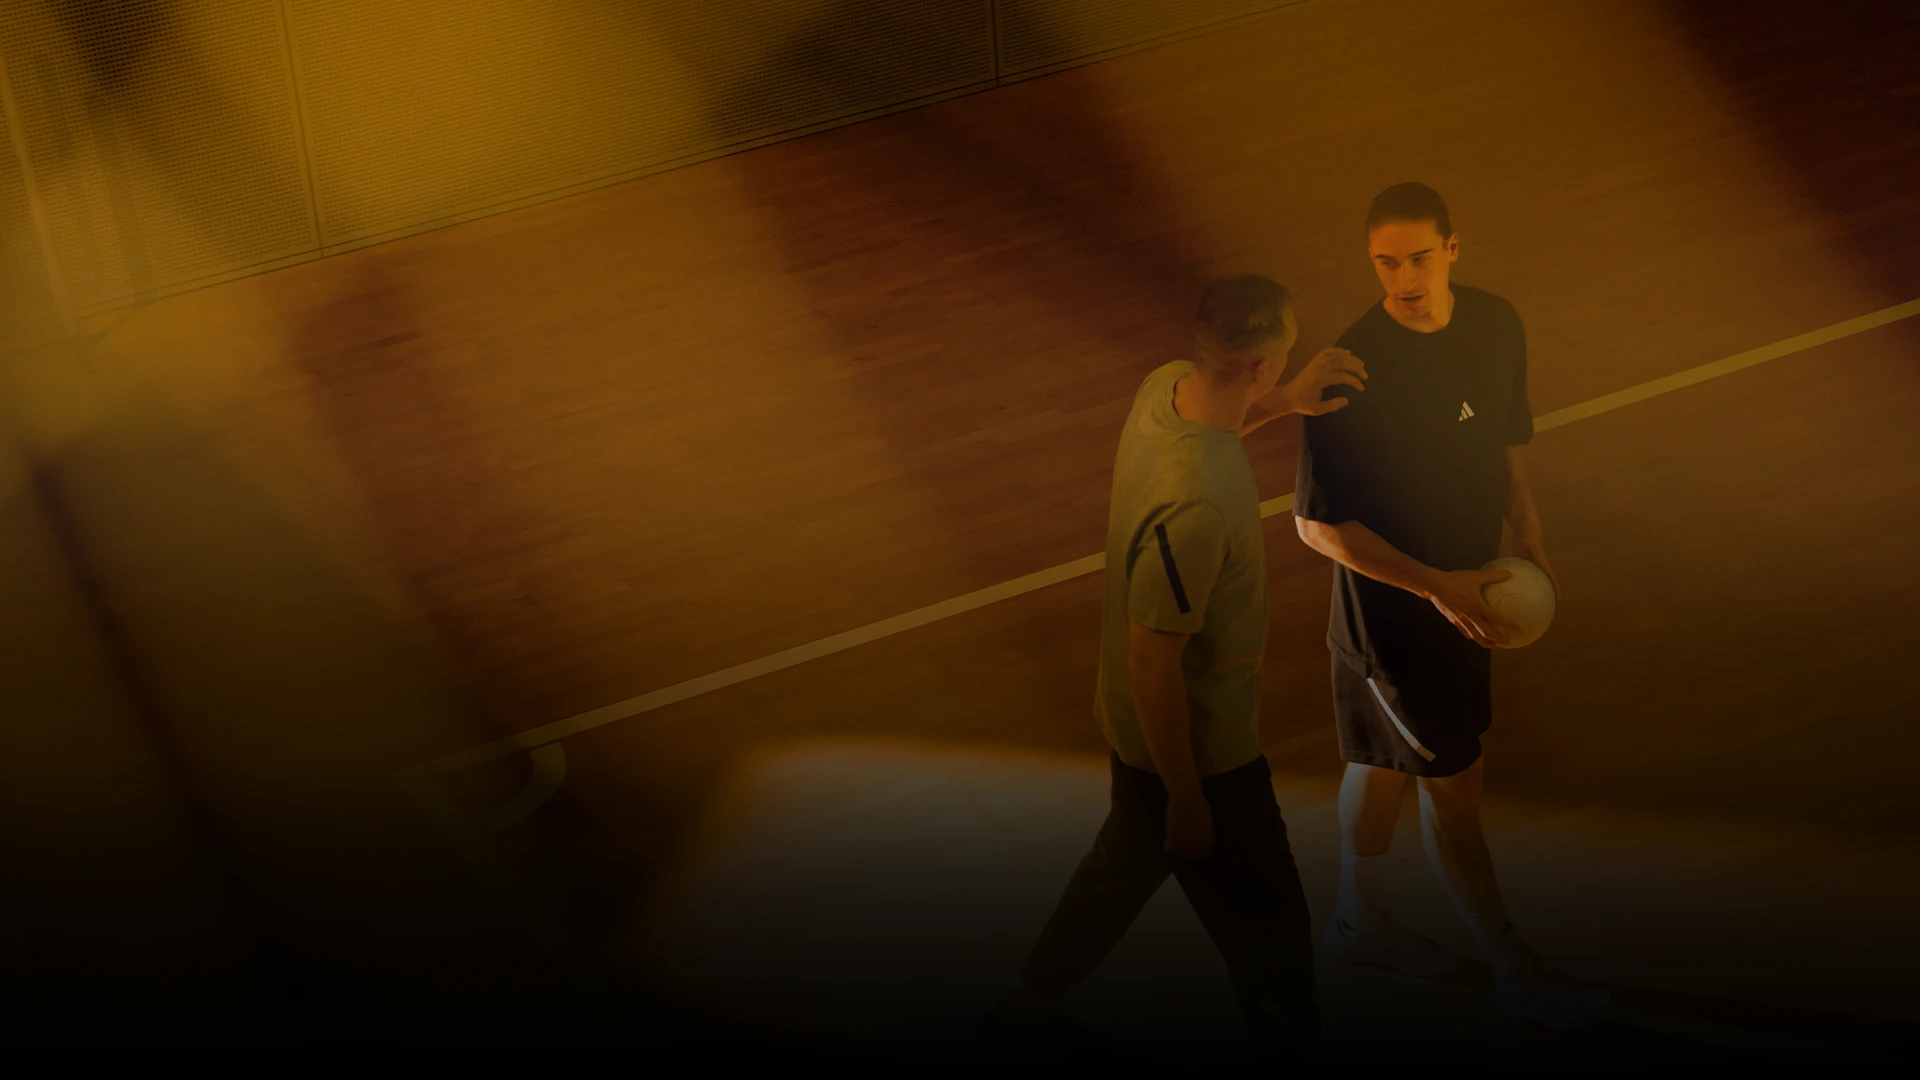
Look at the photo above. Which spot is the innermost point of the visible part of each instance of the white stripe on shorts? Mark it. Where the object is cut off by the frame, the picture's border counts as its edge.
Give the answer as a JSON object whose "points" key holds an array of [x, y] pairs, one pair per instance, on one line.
{"points": [[1404, 733]]}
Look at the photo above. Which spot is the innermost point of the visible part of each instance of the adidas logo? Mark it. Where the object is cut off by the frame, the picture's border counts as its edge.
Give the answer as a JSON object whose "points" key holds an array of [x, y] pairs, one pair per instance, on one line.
{"points": [[1466, 410]]}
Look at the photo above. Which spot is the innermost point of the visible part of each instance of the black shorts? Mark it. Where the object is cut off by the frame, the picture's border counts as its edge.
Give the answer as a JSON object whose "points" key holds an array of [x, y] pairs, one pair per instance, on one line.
{"points": [[1424, 724]]}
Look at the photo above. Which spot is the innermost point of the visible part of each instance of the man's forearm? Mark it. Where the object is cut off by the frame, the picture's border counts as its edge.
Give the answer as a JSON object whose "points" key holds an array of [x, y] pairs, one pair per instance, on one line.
{"points": [[1522, 514], [1160, 701], [1258, 415], [1361, 550], [1282, 400]]}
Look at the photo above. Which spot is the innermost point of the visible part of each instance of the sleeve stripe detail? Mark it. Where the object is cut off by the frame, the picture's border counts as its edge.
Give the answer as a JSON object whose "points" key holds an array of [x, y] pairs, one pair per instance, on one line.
{"points": [[1173, 572]]}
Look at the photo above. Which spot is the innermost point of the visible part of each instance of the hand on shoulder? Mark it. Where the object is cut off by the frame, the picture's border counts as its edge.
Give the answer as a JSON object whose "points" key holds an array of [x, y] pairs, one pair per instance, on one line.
{"points": [[1306, 393]]}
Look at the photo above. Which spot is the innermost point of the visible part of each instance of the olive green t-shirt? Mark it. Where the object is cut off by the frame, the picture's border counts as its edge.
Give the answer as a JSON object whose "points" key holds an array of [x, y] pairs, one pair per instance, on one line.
{"points": [[1185, 553]]}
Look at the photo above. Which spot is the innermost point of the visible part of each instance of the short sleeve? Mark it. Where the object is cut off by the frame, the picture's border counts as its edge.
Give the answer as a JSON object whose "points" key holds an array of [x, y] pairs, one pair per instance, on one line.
{"points": [[1520, 408], [1176, 561], [1319, 491]]}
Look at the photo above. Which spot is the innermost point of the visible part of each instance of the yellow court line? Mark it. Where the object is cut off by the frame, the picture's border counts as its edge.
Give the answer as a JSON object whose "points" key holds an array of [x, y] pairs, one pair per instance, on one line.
{"points": [[849, 639], [1679, 380], [767, 665]]}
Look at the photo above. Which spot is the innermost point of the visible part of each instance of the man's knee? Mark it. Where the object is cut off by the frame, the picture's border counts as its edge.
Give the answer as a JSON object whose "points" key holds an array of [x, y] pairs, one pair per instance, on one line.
{"points": [[1460, 793], [1374, 780]]}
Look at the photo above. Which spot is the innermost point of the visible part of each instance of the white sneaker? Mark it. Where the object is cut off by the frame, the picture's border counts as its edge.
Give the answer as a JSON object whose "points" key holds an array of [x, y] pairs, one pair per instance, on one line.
{"points": [[1387, 944], [1552, 1000]]}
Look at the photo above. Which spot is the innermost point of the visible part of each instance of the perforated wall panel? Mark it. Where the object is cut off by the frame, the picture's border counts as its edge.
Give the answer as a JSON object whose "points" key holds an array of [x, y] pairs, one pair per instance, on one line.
{"points": [[163, 137], [1040, 34], [27, 309], [434, 108], [180, 141]]}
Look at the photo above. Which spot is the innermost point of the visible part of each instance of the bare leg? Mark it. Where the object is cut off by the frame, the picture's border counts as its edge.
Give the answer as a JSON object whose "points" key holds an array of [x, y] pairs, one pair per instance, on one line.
{"points": [[1456, 844], [1361, 931], [1457, 849], [1369, 809]]}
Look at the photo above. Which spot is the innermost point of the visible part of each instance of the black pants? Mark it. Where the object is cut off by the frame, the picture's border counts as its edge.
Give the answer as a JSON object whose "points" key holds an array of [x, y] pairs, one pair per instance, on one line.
{"points": [[1246, 892]]}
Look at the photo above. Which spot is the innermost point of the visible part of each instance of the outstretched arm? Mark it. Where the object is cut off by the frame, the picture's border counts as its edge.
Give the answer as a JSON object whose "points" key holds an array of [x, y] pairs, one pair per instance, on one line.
{"points": [[1301, 394]]}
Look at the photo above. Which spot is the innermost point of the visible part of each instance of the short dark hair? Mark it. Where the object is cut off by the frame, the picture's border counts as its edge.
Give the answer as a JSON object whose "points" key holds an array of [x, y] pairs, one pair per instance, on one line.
{"points": [[1410, 202], [1238, 317]]}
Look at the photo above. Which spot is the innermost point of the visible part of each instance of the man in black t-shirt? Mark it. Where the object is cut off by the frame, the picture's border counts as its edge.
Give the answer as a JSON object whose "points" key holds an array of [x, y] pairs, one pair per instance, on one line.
{"points": [[1406, 489]]}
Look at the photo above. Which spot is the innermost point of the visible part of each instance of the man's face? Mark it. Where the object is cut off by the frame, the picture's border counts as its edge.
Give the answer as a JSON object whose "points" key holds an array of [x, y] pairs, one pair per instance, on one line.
{"points": [[1413, 261]]}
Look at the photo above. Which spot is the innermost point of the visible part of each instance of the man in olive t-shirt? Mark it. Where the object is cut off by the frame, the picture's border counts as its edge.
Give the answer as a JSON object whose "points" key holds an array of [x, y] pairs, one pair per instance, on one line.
{"points": [[1186, 554], [1179, 684]]}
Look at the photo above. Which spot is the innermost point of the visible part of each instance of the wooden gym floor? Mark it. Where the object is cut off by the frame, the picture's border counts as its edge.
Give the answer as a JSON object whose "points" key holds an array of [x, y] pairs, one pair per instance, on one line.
{"points": [[270, 542]]}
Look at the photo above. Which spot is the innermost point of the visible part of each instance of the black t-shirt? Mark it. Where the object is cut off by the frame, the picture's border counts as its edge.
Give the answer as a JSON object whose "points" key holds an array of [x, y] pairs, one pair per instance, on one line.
{"points": [[1419, 457]]}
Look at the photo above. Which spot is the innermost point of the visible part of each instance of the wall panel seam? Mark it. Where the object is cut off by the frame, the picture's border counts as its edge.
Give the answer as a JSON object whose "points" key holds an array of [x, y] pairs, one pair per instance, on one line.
{"points": [[17, 132], [993, 19], [1279, 7], [316, 207], [300, 123], [654, 168]]}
